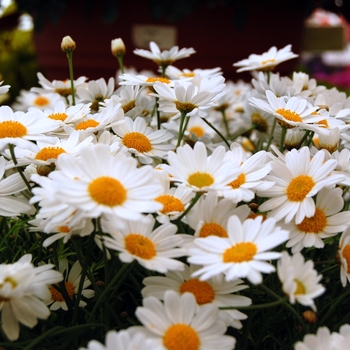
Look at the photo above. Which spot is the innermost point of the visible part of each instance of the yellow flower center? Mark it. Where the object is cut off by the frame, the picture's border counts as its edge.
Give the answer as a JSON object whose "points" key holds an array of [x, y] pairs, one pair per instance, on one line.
{"points": [[259, 122], [323, 123], [197, 130], [49, 153], [299, 187], [138, 141], [289, 115], [315, 224], [41, 101], [107, 191], [140, 246], [10, 128], [58, 116], [200, 179], [57, 296], [90, 123], [158, 79], [64, 91], [128, 106], [238, 182], [346, 256], [170, 204], [271, 60], [188, 75], [240, 252], [181, 337], [202, 290], [300, 287], [185, 107], [63, 229], [212, 229], [247, 145], [11, 281]]}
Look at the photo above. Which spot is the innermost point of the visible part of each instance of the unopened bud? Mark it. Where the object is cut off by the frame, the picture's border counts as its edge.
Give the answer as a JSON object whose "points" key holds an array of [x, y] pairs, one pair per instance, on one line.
{"points": [[309, 316], [68, 44], [118, 47]]}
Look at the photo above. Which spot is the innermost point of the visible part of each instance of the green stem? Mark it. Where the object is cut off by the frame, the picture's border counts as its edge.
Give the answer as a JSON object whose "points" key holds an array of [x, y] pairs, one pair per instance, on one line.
{"points": [[283, 135], [91, 244], [307, 132], [181, 131], [225, 123], [121, 64], [59, 330], [120, 276], [285, 304], [71, 76], [271, 134], [255, 307], [164, 67], [193, 202], [242, 132], [158, 113], [19, 169], [217, 131]]}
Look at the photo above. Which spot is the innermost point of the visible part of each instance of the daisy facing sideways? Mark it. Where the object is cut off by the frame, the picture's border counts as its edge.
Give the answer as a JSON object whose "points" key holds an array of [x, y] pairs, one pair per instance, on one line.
{"points": [[242, 254], [266, 61], [154, 249], [179, 323], [215, 290], [300, 281], [297, 179]]}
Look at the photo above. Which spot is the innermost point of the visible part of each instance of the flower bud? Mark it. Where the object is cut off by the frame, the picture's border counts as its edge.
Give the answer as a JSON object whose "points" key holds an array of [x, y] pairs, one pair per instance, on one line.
{"points": [[68, 44], [118, 47]]}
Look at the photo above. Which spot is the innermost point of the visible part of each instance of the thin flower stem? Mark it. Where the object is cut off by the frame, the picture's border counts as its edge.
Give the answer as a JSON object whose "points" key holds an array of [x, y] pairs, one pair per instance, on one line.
{"points": [[242, 132], [19, 169], [163, 70], [271, 134], [121, 64], [217, 131], [181, 127], [283, 135], [120, 276], [158, 113], [91, 244], [307, 132], [256, 306], [71, 76], [225, 123], [193, 202], [59, 330], [285, 303]]}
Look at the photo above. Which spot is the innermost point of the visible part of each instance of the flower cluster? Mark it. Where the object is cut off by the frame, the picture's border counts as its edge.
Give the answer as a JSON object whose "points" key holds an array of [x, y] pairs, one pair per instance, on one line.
{"points": [[180, 210]]}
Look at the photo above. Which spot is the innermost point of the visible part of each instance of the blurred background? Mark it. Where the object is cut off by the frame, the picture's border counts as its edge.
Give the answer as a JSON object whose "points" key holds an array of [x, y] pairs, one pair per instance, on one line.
{"points": [[221, 31]]}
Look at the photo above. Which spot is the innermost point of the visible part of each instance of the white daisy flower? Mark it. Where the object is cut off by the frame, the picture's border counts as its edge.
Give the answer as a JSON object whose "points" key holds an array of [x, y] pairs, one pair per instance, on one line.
{"points": [[323, 340], [46, 153], [166, 57], [196, 170], [124, 340], [174, 199], [344, 256], [24, 290], [242, 254], [252, 172], [327, 221], [210, 215], [192, 97], [71, 284], [99, 183], [27, 99], [175, 73], [299, 279], [62, 87], [215, 290], [10, 186], [20, 128], [96, 91], [142, 140], [297, 180], [154, 249], [266, 61], [143, 80], [290, 112], [4, 88], [180, 323]]}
